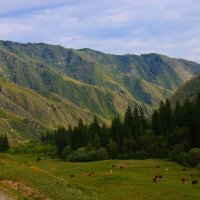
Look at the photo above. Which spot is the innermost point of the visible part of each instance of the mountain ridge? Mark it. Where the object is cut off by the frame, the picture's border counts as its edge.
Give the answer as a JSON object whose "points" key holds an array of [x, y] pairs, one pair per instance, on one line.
{"points": [[89, 82]]}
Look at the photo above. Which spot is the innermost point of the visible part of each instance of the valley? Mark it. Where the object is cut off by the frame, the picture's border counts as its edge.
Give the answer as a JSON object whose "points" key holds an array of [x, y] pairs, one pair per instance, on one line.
{"points": [[51, 179]]}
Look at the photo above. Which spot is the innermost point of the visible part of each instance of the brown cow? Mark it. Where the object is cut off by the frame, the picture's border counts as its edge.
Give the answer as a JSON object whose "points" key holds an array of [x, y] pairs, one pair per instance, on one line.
{"points": [[72, 175], [154, 179]]}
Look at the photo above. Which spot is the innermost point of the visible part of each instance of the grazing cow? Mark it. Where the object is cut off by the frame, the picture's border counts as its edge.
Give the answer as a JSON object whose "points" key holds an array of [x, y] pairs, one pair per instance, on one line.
{"points": [[120, 166], [89, 174], [184, 169], [194, 182], [158, 166], [72, 175], [154, 179], [113, 166], [128, 164], [183, 180], [160, 176]]}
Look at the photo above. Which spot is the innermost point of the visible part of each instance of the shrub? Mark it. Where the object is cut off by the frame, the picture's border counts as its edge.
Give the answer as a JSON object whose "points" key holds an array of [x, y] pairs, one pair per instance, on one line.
{"points": [[178, 148], [102, 154], [194, 156], [67, 151], [183, 159], [84, 155]]}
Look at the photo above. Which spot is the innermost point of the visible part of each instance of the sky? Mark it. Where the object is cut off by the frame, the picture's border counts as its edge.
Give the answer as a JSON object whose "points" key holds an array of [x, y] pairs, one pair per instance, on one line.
{"points": [[170, 27]]}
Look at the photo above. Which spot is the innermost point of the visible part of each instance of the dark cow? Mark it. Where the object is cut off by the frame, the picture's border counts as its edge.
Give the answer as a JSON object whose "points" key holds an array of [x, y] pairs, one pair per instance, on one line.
{"points": [[72, 175], [184, 169], [183, 180], [158, 166], [160, 176], [194, 182]]}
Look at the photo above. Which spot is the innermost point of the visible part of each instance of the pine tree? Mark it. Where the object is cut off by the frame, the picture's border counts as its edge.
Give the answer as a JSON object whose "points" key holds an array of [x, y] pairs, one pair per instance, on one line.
{"points": [[143, 118], [168, 116], [177, 115], [155, 123], [128, 118], [4, 144], [60, 139], [117, 133], [112, 149], [162, 118]]}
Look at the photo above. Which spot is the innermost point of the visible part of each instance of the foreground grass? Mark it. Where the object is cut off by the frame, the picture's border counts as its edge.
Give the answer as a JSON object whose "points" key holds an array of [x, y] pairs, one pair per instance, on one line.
{"points": [[52, 179]]}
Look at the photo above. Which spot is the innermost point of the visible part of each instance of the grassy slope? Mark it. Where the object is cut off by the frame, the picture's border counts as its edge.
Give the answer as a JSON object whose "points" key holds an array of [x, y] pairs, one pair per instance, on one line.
{"points": [[24, 113], [188, 90], [51, 178]]}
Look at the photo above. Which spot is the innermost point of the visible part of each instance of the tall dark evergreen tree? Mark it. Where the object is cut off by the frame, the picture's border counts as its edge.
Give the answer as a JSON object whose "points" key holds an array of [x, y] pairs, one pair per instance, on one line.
{"points": [[168, 116], [155, 123], [61, 139], [128, 118], [117, 133], [4, 144]]}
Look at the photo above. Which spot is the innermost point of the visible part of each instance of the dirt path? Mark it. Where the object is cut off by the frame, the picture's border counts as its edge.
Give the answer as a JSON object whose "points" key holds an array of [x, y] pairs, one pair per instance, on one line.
{"points": [[4, 196], [23, 189]]}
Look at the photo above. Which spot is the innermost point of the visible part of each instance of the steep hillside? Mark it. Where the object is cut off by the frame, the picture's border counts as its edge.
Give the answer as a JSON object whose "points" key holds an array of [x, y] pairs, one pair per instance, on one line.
{"points": [[24, 114], [48, 85], [188, 90]]}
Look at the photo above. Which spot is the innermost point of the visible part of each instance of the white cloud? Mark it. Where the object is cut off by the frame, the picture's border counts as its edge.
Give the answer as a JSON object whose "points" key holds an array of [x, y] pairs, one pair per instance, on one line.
{"points": [[116, 26]]}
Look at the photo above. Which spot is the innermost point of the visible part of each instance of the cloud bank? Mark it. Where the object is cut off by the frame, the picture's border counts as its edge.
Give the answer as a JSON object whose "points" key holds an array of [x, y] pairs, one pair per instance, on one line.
{"points": [[115, 26]]}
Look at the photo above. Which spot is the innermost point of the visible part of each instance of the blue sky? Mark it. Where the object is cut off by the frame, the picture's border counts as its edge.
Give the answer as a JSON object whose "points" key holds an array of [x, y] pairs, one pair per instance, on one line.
{"points": [[170, 27]]}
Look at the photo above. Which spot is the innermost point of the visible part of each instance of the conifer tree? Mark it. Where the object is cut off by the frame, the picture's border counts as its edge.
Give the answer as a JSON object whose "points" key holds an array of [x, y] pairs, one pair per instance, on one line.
{"points": [[128, 118], [4, 144], [155, 122]]}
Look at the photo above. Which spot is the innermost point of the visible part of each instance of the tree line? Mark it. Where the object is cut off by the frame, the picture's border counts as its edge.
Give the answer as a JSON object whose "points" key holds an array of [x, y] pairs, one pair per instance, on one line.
{"points": [[171, 132]]}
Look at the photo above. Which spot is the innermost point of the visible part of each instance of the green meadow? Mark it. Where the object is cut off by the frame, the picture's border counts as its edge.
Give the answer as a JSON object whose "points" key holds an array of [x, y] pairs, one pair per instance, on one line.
{"points": [[24, 177]]}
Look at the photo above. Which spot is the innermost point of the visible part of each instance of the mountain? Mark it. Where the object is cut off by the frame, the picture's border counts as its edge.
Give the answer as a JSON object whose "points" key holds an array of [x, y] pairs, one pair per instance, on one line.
{"points": [[189, 90], [44, 86]]}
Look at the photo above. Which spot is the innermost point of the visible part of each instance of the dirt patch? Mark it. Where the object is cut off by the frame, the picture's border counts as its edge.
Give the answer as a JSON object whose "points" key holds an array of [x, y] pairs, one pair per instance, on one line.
{"points": [[4, 196], [25, 190]]}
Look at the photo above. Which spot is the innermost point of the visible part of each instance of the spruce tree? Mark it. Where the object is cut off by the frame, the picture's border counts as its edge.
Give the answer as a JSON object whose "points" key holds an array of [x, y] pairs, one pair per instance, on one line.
{"points": [[128, 117], [4, 144]]}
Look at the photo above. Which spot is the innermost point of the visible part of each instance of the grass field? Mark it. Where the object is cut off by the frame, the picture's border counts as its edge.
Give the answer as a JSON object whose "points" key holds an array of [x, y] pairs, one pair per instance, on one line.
{"points": [[24, 178]]}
